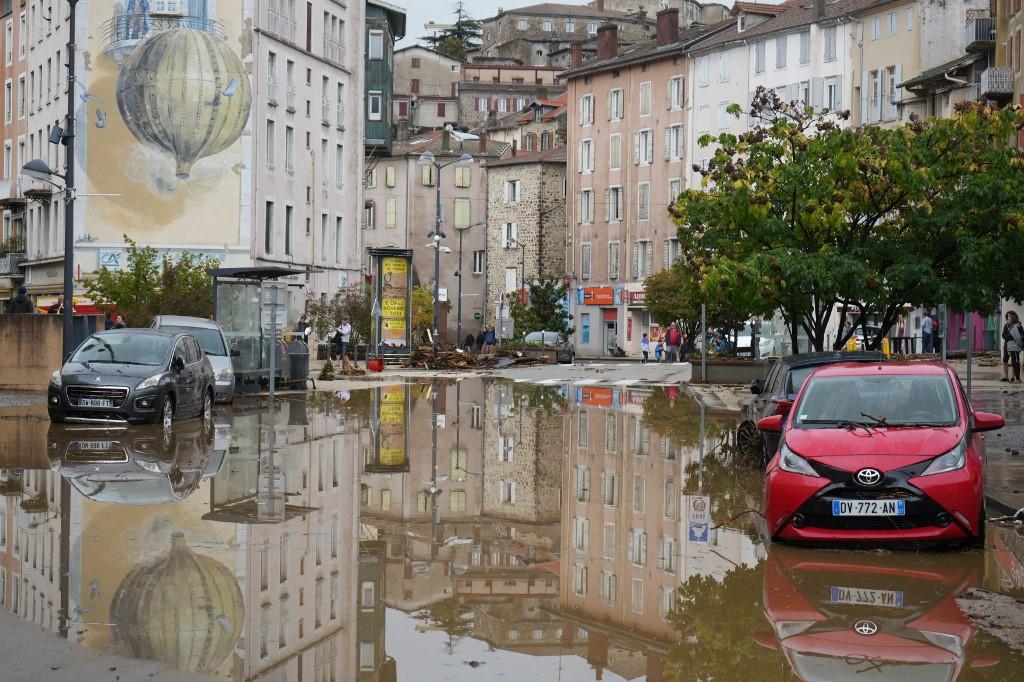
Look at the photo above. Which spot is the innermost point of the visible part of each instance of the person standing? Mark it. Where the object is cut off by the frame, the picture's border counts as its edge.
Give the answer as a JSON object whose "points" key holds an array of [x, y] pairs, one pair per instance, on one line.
{"points": [[659, 350], [480, 341], [489, 340], [344, 335], [927, 325], [901, 333], [645, 348], [21, 303], [469, 343], [671, 343], [1013, 344]]}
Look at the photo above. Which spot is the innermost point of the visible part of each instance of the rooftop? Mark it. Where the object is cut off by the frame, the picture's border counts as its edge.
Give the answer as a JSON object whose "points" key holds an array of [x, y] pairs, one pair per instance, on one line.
{"points": [[648, 50], [941, 70], [555, 155], [431, 141], [563, 10]]}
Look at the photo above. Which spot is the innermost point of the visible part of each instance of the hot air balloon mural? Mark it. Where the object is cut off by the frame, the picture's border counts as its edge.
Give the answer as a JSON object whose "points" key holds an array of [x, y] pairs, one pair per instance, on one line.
{"points": [[184, 92]]}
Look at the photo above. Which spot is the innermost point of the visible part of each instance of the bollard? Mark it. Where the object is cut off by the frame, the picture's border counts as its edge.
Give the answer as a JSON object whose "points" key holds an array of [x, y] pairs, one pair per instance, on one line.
{"points": [[852, 343], [885, 347]]}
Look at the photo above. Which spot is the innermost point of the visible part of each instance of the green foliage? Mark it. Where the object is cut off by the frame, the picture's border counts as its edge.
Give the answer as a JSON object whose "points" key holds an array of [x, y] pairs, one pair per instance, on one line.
{"points": [[151, 286], [14, 244], [802, 216], [326, 372], [546, 310], [464, 34], [678, 419], [422, 310]]}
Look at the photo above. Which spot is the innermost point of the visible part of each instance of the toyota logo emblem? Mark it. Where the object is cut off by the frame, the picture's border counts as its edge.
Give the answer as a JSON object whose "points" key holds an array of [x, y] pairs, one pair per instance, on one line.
{"points": [[865, 627], [868, 477]]}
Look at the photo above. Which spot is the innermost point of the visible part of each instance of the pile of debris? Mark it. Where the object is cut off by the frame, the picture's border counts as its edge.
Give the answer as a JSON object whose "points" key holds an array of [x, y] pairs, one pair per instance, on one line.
{"points": [[449, 357], [348, 369]]}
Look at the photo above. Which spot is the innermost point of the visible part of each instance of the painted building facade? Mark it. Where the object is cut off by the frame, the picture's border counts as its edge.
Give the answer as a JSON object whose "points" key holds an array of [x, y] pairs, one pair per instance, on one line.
{"points": [[385, 24]]}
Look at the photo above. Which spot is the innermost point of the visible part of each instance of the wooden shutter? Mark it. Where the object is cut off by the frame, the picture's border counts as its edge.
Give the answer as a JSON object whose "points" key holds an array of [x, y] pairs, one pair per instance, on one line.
{"points": [[864, 97], [668, 143], [591, 155], [668, 94], [579, 207], [636, 260], [649, 156], [817, 93], [898, 92], [664, 257], [636, 149], [581, 111], [391, 207], [649, 258], [608, 104], [839, 93], [607, 204], [389, 176]]}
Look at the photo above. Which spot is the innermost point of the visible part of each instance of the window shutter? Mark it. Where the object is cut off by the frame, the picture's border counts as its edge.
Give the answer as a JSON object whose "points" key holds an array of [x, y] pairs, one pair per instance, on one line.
{"points": [[668, 93], [877, 104], [665, 262], [839, 93], [864, 85], [649, 157], [507, 191], [579, 162], [579, 208], [636, 260], [590, 159], [608, 105], [897, 94], [636, 149], [607, 204], [649, 264], [515, 232], [817, 93], [581, 111], [668, 143]]}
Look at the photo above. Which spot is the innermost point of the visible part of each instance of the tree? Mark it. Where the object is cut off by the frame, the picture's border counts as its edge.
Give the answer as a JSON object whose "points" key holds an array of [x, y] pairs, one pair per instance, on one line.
{"points": [[151, 285], [422, 311], [858, 222], [464, 35], [544, 310], [354, 303]]}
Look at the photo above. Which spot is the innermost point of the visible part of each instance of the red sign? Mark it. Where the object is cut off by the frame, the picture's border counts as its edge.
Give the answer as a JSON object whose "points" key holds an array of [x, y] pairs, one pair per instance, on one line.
{"points": [[598, 296], [597, 396], [637, 296]]}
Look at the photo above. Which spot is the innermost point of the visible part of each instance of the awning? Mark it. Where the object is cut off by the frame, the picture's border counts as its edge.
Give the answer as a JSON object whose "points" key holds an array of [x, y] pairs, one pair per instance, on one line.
{"points": [[257, 272]]}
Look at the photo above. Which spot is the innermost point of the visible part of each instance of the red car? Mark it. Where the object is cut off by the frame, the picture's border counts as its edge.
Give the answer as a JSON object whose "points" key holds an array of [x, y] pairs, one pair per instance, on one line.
{"points": [[879, 452]]}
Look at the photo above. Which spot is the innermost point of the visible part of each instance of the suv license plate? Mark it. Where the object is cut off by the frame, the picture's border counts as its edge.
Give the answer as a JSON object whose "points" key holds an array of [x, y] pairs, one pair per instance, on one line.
{"points": [[869, 508], [860, 597], [95, 402]]}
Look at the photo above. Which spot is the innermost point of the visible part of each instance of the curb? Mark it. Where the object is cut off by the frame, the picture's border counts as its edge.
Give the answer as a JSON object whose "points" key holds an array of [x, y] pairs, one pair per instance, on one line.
{"points": [[999, 506]]}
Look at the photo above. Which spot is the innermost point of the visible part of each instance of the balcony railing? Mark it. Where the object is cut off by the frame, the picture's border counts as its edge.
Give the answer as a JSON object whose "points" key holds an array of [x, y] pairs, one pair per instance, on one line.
{"points": [[980, 34], [281, 24], [10, 262], [325, 111], [123, 32], [289, 96], [272, 89], [996, 81], [334, 51], [340, 115]]}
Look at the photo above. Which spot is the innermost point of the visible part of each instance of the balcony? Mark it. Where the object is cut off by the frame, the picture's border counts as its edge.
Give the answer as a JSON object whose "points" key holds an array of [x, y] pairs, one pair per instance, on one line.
{"points": [[124, 32], [272, 91], [981, 34], [340, 116], [9, 264], [289, 97], [996, 83], [334, 52], [281, 25], [325, 111]]}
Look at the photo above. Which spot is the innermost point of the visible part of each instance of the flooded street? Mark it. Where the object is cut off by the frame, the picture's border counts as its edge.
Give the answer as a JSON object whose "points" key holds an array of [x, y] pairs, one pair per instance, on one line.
{"points": [[469, 530]]}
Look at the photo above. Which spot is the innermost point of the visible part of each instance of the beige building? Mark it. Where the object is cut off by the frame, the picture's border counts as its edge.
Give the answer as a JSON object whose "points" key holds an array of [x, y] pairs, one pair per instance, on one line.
{"points": [[13, 18], [525, 226], [883, 60], [1009, 26], [426, 88], [627, 163], [400, 208]]}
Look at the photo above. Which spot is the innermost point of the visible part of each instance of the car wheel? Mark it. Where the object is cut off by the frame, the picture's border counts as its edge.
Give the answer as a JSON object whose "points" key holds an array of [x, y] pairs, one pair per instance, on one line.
{"points": [[748, 438], [166, 411]]}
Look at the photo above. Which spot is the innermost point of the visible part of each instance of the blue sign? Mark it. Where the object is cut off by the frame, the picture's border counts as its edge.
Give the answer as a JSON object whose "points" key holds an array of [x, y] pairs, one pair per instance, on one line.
{"points": [[698, 531]]}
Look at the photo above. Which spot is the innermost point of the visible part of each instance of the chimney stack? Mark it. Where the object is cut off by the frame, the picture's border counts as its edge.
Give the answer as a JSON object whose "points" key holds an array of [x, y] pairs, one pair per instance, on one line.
{"points": [[483, 142], [819, 9], [513, 149], [599, 5], [446, 140], [668, 26], [607, 41], [575, 55]]}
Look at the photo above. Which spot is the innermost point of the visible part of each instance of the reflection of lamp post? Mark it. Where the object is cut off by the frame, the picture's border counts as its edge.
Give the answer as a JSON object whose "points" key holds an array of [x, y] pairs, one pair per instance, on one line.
{"points": [[461, 231], [437, 234]]}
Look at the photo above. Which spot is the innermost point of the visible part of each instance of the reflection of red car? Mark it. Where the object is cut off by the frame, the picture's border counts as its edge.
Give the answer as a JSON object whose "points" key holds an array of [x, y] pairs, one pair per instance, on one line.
{"points": [[863, 616], [876, 452]]}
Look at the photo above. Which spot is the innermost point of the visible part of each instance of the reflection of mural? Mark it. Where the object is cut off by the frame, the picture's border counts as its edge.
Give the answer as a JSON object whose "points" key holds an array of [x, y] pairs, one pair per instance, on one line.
{"points": [[183, 608], [185, 92]]}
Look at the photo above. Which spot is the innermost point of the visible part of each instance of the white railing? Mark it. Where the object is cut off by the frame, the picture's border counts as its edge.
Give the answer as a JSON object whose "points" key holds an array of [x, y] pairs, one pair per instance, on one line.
{"points": [[334, 51], [289, 96], [272, 89], [280, 24], [340, 113], [325, 110], [997, 80]]}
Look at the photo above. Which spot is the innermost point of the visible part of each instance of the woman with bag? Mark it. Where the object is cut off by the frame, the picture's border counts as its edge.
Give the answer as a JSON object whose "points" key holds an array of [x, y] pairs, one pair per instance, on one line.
{"points": [[1013, 343]]}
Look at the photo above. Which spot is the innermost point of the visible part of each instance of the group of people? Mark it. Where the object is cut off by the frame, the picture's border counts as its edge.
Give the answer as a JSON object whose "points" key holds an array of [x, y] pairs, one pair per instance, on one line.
{"points": [[668, 346], [484, 342]]}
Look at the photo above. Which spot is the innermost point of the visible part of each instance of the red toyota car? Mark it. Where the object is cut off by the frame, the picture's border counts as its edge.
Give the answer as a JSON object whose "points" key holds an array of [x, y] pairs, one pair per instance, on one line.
{"points": [[879, 452]]}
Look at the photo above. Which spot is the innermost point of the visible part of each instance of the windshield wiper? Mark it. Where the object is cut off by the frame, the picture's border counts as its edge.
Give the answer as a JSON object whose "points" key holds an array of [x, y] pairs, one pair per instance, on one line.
{"points": [[839, 423], [876, 421]]}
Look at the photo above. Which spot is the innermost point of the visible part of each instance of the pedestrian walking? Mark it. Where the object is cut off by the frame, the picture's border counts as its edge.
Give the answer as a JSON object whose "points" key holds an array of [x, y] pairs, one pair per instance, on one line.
{"points": [[672, 340], [21, 303], [480, 341], [1013, 343], [645, 348], [659, 350], [119, 322], [469, 343], [927, 326], [489, 340], [344, 336]]}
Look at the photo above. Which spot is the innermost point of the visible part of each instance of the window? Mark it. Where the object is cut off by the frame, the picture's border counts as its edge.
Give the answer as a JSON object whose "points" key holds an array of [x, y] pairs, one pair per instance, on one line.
{"points": [[415, 63], [478, 262], [675, 188], [584, 337], [668, 597], [615, 208], [522, 24], [369, 216], [271, 145], [610, 488], [512, 191], [587, 110], [675, 93], [613, 260], [8, 101], [10, 42], [375, 105], [462, 205], [463, 176], [507, 491], [892, 23], [643, 259], [570, 26], [592, 27], [376, 45], [831, 95], [545, 140], [805, 93], [639, 494], [579, 580], [723, 115], [645, 98], [429, 174], [391, 213], [580, 533], [608, 541], [338, 223], [440, 110], [389, 176], [371, 179], [805, 47], [609, 586], [546, 25], [587, 153], [643, 152], [289, 149], [288, 217], [481, 104], [703, 113], [892, 99], [637, 547], [268, 228], [585, 260], [674, 142], [643, 199], [586, 207], [615, 151], [509, 234], [582, 484], [704, 70], [638, 595], [324, 173], [725, 67], [21, 96], [876, 28], [414, 85], [615, 105], [759, 52], [457, 501], [781, 44], [830, 43], [339, 165]]}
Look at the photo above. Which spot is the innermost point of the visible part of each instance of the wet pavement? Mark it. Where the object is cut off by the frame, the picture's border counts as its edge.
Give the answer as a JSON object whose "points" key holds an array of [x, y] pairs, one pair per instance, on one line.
{"points": [[468, 530]]}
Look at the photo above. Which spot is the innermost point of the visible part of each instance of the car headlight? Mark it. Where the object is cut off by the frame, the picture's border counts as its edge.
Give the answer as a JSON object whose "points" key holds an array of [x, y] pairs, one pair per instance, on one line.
{"points": [[56, 380], [225, 375], [794, 463], [951, 461], [151, 382]]}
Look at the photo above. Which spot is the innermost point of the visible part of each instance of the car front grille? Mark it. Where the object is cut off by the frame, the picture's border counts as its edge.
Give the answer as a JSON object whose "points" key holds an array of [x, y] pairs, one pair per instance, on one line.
{"points": [[115, 394]]}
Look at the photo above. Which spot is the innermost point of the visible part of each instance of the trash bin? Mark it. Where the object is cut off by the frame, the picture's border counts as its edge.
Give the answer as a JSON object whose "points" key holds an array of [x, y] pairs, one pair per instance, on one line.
{"points": [[298, 361]]}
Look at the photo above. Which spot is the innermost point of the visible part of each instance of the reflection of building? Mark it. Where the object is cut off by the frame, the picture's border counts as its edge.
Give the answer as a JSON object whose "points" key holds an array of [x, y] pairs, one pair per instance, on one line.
{"points": [[374, 663]]}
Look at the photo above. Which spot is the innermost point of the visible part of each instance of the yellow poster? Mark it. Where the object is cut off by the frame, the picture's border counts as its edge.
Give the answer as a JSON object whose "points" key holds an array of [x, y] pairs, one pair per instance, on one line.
{"points": [[389, 267], [393, 308]]}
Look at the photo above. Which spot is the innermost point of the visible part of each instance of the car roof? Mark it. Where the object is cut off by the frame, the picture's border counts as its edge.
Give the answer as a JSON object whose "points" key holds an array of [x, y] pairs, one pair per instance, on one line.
{"points": [[186, 321], [141, 331], [883, 369], [805, 359]]}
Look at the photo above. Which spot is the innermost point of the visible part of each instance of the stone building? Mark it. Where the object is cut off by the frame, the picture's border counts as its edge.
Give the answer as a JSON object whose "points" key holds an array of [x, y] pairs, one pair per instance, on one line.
{"points": [[426, 89], [503, 88], [538, 127], [525, 225], [690, 11]]}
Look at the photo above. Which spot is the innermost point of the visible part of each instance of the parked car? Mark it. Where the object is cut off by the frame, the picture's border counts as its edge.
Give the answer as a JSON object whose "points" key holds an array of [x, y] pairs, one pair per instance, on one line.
{"points": [[213, 342], [133, 376], [879, 452], [765, 339], [785, 377], [564, 350]]}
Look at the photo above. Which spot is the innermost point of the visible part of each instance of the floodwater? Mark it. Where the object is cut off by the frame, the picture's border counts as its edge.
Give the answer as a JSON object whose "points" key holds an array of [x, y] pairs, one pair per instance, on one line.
{"points": [[470, 530]]}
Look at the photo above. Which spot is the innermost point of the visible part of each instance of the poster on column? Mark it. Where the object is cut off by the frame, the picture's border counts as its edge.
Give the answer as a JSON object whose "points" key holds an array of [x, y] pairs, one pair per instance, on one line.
{"points": [[391, 445], [392, 289]]}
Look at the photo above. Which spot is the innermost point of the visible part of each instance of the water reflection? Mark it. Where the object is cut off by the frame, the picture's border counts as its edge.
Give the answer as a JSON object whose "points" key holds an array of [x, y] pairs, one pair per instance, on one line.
{"points": [[449, 530]]}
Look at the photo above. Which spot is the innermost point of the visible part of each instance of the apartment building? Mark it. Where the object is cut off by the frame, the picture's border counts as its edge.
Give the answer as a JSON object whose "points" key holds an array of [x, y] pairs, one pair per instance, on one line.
{"points": [[1009, 26], [426, 88], [254, 173], [496, 89], [540, 126], [13, 17], [886, 49], [385, 24], [627, 163], [400, 208]]}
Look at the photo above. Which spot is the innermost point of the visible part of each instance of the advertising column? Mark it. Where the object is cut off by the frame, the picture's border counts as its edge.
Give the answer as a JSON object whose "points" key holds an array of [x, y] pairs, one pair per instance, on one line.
{"points": [[392, 294]]}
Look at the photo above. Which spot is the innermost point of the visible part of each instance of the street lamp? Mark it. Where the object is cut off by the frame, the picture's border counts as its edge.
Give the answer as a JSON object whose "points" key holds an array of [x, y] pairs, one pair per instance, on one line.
{"points": [[437, 234], [461, 231]]}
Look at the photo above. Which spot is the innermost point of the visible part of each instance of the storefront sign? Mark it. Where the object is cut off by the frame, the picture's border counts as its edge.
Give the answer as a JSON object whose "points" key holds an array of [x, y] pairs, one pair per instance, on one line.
{"points": [[593, 395], [598, 296], [638, 297]]}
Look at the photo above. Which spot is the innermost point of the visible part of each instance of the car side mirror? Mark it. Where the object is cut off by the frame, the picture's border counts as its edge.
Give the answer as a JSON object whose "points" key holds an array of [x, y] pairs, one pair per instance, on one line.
{"points": [[783, 407], [178, 363], [771, 424], [235, 353], [757, 386], [986, 421]]}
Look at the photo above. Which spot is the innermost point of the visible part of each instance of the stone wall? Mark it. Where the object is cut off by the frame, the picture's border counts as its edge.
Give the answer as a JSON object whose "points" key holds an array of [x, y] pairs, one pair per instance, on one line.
{"points": [[505, 27]]}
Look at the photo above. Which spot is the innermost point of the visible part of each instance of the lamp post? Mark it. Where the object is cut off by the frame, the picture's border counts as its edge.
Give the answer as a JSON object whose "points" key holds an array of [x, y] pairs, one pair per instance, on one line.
{"points": [[437, 234], [461, 231], [39, 170], [522, 262]]}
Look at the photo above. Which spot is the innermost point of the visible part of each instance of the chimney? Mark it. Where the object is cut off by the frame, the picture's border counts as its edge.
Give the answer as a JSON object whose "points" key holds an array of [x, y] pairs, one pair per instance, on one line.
{"points": [[575, 55], [607, 41], [513, 149], [668, 26], [819, 9], [446, 140], [483, 142], [599, 5]]}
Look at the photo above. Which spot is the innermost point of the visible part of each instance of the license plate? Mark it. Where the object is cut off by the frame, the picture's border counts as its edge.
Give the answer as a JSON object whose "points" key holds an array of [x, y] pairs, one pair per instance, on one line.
{"points": [[94, 444], [95, 402], [868, 508], [860, 597]]}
